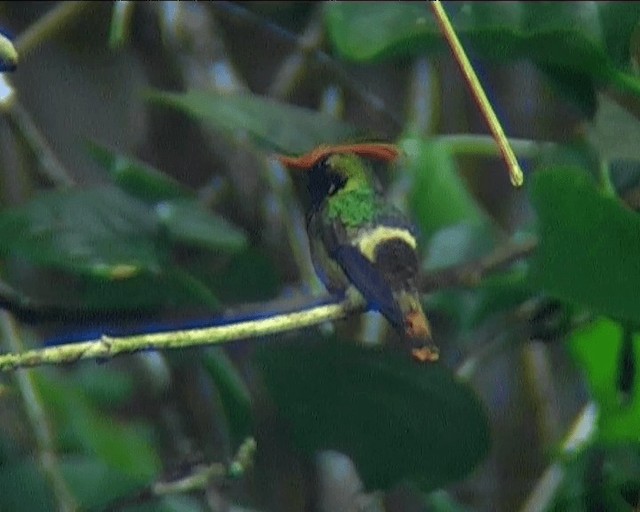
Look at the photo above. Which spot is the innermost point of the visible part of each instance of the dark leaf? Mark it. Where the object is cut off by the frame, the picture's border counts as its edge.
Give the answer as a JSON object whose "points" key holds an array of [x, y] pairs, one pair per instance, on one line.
{"points": [[278, 126], [391, 415], [100, 232], [589, 250]]}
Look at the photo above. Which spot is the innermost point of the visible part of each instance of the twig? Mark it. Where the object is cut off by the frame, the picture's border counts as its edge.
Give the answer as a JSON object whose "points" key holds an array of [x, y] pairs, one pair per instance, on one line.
{"points": [[286, 77], [54, 21], [38, 419], [483, 102], [468, 274], [471, 274], [373, 103], [291, 70], [540, 384], [199, 478], [485, 145], [581, 432], [108, 346], [202, 476], [50, 166]]}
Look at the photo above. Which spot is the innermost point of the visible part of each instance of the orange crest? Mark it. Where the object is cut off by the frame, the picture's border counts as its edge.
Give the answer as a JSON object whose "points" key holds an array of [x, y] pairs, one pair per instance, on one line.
{"points": [[378, 151]]}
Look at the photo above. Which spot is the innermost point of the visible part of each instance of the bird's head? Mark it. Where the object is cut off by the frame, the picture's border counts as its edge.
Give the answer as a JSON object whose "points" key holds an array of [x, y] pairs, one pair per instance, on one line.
{"points": [[332, 169]]}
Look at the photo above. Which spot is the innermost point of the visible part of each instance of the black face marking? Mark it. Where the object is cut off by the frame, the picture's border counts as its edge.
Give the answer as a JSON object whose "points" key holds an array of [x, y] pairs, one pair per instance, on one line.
{"points": [[324, 181]]}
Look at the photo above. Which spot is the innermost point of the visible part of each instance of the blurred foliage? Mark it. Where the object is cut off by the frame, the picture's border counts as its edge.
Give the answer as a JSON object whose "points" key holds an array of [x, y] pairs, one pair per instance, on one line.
{"points": [[137, 177]]}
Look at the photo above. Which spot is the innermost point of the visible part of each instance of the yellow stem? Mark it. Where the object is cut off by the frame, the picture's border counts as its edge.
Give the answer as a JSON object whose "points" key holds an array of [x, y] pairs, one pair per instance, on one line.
{"points": [[515, 172]]}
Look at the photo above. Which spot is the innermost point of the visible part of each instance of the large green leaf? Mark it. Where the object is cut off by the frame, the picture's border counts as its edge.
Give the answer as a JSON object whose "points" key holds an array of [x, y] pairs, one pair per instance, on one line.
{"points": [[395, 418], [278, 126], [183, 218], [583, 37], [99, 232], [233, 392], [589, 250]]}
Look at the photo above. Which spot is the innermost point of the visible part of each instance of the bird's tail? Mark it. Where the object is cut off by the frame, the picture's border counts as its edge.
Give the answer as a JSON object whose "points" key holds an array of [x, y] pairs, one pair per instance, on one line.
{"points": [[417, 328]]}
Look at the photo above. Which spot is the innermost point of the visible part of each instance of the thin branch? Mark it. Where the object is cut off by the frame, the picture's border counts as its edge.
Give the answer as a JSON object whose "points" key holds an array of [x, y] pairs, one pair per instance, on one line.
{"points": [[199, 477], [374, 104], [470, 274], [581, 433], [287, 75], [291, 70], [111, 346], [485, 145], [515, 172], [38, 419], [202, 476], [54, 21], [50, 166]]}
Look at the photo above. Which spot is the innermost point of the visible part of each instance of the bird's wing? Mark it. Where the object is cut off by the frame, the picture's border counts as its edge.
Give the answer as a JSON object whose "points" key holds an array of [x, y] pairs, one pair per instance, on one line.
{"points": [[394, 265]]}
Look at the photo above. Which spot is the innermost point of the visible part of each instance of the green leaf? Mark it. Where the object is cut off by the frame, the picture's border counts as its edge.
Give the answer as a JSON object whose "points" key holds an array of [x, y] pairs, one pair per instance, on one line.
{"points": [[276, 125], [438, 197], [581, 37], [392, 416], [597, 349], [95, 484], [233, 392], [124, 447], [100, 232], [188, 222], [24, 488], [589, 249], [138, 179]]}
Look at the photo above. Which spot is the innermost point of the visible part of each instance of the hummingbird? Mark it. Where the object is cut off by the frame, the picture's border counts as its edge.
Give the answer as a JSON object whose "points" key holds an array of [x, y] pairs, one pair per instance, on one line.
{"points": [[361, 242]]}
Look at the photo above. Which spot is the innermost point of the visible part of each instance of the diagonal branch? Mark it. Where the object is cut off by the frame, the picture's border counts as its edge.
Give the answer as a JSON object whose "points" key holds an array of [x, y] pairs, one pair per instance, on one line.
{"points": [[110, 346], [470, 274]]}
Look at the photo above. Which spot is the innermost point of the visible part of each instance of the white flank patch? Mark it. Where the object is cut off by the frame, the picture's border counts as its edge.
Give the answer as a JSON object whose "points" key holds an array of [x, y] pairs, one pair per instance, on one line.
{"points": [[370, 239]]}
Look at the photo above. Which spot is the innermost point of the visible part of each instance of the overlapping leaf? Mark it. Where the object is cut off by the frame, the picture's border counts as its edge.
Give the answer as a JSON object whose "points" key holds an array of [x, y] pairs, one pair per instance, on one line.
{"points": [[589, 251], [587, 38]]}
